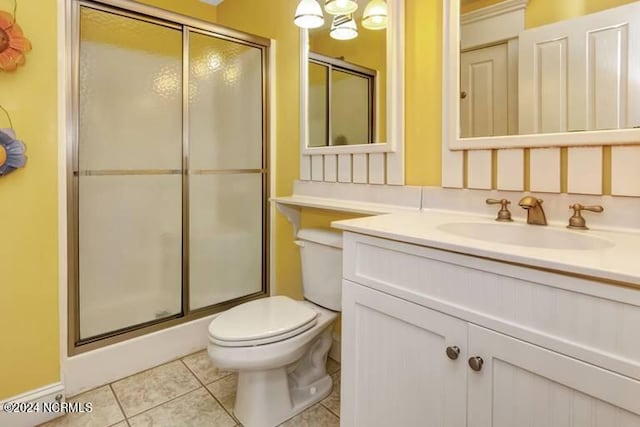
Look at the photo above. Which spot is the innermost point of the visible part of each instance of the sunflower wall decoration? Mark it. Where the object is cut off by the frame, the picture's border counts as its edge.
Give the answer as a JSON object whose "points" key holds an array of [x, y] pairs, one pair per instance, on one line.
{"points": [[13, 44]]}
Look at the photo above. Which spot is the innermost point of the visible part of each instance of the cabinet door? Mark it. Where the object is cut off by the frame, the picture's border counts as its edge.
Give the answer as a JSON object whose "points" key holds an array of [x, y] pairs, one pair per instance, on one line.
{"points": [[395, 368], [520, 384]]}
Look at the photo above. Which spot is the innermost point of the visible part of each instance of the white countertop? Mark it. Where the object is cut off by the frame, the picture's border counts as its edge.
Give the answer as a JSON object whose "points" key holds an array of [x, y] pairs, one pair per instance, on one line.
{"points": [[619, 263]]}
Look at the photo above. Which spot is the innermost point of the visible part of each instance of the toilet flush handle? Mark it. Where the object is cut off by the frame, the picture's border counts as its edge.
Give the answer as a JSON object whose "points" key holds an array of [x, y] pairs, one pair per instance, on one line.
{"points": [[299, 243]]}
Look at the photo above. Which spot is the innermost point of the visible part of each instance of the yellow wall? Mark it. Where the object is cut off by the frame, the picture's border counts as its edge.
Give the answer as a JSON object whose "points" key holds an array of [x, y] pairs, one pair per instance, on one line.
{"points": [[29, 353], [477, 4], [193, 8], [29, 212], [423, 92], [542, 12]]}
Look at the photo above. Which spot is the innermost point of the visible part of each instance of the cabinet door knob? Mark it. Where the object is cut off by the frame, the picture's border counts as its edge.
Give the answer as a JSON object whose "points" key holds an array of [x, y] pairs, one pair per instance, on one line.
{"points": [[453, 352], [476, 363]]}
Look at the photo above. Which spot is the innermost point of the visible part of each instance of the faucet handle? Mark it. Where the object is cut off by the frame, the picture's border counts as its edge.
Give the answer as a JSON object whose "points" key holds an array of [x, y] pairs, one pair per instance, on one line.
{"points": [[504, 215], [577, 221]]}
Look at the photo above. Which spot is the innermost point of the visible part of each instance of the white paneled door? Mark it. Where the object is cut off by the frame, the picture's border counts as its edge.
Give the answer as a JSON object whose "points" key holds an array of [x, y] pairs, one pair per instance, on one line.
{"points": [[484, 92]]}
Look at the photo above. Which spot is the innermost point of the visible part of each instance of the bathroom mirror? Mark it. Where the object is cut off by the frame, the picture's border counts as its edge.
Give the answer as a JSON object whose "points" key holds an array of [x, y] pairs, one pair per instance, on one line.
{"points": [[351, 90], [532, 73]]}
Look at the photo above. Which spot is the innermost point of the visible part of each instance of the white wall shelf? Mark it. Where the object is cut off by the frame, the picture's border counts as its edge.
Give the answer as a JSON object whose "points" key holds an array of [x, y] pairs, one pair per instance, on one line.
{"points": [[348, 198]]}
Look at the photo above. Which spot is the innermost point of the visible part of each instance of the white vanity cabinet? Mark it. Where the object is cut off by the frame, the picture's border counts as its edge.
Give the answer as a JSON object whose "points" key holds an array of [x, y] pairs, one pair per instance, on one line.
{"points": [[394, 368], [521, 384], [556, 350]]}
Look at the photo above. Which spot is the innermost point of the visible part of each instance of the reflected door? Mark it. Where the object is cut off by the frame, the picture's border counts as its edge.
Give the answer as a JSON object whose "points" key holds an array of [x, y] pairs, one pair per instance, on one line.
{"points": [[484, 92]]}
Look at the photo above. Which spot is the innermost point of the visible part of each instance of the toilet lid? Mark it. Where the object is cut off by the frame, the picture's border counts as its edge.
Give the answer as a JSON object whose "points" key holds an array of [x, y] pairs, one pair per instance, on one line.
{"points": [[264, 320]]}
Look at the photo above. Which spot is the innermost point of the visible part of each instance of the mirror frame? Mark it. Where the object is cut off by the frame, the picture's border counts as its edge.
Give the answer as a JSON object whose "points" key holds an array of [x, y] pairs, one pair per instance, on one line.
{"points": [[395, 91], [451, 106]]}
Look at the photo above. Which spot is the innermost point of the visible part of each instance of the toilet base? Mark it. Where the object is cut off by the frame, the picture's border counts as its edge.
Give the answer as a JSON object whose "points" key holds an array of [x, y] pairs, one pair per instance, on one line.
{"points": [[269, 397]]}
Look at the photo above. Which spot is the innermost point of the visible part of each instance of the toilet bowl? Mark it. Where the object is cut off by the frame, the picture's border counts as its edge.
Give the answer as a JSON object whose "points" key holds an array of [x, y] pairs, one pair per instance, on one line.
{"points": [[279, 346]]}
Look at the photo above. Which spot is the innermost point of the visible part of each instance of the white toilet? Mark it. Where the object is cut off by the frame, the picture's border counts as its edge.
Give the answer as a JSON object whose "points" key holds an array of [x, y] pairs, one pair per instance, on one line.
{"points": [[279, 346]]}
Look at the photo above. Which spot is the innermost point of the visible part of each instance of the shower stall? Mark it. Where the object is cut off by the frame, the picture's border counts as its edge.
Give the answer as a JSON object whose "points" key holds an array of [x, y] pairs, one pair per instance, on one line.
{"points": [[168, 171]]}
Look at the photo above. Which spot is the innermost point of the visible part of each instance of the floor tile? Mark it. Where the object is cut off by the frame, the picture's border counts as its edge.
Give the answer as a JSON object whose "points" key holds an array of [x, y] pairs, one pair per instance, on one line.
{"points": [[195, 409], [332, 402], [225, 391], [332, 366], [316, 416], [201, 365], [105, 410], [153, 387]]}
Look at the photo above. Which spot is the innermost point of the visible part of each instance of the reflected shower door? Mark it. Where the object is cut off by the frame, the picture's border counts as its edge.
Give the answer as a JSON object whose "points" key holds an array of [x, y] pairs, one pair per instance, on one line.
{"points": [[128, 172], [227, 170], [318, 108], [350, 108]]}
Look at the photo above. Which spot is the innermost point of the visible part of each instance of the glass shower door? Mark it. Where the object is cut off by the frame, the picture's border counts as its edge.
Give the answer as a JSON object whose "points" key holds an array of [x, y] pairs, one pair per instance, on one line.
{"points": [[128, 172], [168, 193], [227, 170]]}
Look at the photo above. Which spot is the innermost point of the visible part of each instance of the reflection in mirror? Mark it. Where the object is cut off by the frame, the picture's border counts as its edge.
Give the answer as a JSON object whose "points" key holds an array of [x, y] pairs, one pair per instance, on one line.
{"points": [[551, 66], [318, 105], [341, 107], [347, 87]]}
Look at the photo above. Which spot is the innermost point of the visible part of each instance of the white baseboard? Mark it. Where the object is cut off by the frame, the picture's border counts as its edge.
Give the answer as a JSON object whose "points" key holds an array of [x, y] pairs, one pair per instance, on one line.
{"points": [[335, 352], [102, 366], [37, 398]]}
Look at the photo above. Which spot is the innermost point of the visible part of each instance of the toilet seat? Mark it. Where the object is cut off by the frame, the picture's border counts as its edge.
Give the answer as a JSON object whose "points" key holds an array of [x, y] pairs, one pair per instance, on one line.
{"points": [[262, 321]]}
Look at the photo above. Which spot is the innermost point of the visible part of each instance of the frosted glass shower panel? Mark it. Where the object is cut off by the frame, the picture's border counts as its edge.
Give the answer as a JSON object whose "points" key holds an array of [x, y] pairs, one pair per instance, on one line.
{"points": [[129, 172], [130, 251], [225, 104], [130, 89], [225, 253]]}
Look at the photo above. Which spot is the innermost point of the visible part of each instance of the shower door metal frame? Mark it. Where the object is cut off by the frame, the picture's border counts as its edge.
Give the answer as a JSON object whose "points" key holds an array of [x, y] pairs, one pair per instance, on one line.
{"points": [[187, 25]]}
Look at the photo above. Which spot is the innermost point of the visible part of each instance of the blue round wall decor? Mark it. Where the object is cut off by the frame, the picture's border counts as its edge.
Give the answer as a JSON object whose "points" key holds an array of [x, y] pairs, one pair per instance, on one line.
{"points": [[11, 152]]}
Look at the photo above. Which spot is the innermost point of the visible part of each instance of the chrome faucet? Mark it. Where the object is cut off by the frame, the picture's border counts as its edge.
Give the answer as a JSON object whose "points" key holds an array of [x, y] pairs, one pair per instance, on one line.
{"points": [[535, 213]]}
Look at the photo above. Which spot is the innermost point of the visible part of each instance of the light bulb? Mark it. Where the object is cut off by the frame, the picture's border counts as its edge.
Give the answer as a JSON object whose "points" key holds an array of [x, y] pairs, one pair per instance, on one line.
{"points": [[308, 14], [344, 28], [340, 7], [375, 15]]}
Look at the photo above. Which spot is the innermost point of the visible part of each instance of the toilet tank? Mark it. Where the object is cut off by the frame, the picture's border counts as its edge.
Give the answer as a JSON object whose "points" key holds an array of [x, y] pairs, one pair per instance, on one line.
{"points": [[321, 257]]}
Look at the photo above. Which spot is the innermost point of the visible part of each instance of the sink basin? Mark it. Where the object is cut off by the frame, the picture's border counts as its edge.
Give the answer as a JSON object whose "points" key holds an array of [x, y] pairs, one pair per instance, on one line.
{"points": [[531, 236]]}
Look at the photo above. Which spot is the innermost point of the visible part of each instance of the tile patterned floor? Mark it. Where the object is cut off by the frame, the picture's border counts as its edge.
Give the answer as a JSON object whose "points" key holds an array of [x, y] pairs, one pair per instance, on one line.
{"points": [[189, 392]]}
